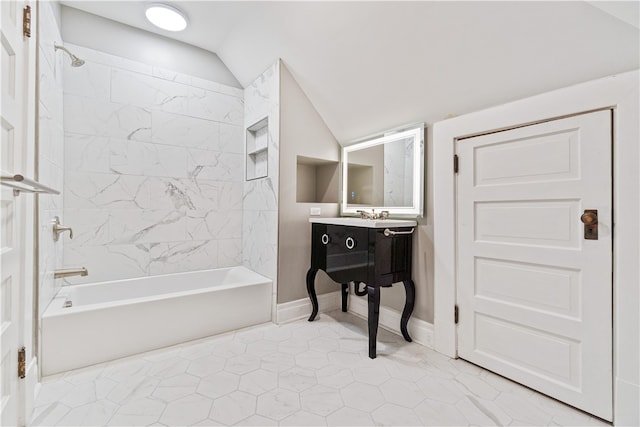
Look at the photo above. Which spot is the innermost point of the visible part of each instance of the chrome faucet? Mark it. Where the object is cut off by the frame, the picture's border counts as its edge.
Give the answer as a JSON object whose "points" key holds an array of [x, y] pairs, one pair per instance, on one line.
{"points": [[68, 272], [373, 214], [364, 214], [57, 229]]}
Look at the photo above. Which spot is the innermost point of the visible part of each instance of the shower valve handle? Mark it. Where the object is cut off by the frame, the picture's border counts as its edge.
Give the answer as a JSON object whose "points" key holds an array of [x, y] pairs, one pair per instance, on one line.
{"points": [[58, 229]]}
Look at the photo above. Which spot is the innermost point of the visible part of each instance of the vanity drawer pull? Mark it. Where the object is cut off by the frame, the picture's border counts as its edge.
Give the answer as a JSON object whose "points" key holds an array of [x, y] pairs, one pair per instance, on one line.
{"points": [[325, 239], [350, 243], [388, 232]]}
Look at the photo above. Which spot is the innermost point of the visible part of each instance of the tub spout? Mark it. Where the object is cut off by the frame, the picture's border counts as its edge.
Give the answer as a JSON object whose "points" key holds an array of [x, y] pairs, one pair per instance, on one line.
{"points": [[68, 272]]}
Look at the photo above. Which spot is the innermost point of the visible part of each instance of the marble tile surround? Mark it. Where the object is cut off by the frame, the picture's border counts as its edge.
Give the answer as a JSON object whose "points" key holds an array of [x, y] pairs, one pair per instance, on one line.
{"points": [[260, 200], [153, 165], [50, 154], [295, 374]]}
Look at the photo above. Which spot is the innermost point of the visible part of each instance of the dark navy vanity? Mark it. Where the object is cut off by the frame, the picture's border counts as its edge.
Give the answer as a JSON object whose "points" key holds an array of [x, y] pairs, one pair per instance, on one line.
{"points": [[370, 253]]}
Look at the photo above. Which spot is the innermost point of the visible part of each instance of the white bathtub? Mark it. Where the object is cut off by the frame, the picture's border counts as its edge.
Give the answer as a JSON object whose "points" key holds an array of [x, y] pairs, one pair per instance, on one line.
{"points": [[109, 320]]}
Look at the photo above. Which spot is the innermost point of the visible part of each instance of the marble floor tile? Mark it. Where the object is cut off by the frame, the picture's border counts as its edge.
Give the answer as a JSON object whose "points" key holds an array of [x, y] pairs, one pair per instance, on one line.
{"points": [[258, 382], [277, 362], [362, 396], [174, 388], [303, 419], [206, 366], [186, 411], [321, 400], [335, 376], [298, 373], [218, 384], [233, 407], [257, 420], [394, 415], [278, 404], [401, 392], [138, 412], [297, 379], [349, 417], [96, 413]]}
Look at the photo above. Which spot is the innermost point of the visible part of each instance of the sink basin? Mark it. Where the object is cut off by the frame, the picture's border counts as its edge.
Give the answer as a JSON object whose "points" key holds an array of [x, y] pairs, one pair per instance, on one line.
{"points": [[370, 223]]}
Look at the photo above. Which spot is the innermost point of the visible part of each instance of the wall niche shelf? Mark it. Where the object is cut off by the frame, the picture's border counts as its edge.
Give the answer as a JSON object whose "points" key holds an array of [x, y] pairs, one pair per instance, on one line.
{"points": [[257, 149], [317, 180]]}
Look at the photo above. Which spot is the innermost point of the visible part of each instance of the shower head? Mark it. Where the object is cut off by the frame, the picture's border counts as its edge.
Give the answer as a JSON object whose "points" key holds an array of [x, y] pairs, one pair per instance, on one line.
{"points": [[75, 61]]}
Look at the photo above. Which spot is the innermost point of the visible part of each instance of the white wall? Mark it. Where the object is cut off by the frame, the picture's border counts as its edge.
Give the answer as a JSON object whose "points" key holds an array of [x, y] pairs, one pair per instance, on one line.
{"points": [[153, 169], [423, 261], [371, 66], [303, 133], [84, 29]]}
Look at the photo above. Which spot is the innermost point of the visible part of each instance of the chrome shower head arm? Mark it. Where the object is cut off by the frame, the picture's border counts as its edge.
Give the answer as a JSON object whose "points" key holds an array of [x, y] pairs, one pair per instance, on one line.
{"points": [[75, 61], [57, 46]]}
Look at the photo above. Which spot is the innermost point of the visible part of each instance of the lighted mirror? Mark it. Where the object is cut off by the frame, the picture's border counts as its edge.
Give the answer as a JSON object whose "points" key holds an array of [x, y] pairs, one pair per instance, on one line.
{"points": [[385, 173]]}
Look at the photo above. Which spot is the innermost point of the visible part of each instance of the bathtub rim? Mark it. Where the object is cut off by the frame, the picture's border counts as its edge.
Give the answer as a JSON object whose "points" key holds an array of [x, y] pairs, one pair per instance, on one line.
{"points": [[56, 309]]}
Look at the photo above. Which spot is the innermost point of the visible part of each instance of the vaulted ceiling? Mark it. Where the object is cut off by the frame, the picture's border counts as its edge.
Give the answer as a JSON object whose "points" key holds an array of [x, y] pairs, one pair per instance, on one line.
{"points": [[370, 66]]}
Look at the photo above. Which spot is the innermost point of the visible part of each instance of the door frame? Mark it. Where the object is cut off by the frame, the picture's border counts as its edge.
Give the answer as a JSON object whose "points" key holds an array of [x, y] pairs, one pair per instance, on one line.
{"points": [[619, 93]]}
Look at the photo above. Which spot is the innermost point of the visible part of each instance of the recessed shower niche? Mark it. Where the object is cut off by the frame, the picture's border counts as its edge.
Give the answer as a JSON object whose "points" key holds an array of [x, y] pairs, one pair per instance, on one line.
{"points": [[258, 149]]}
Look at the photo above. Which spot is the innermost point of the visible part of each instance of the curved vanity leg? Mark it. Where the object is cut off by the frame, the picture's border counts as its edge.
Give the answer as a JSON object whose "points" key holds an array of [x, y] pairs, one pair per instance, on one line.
{"points": [[311, 290], [410, 290], [373, 317], [345, 295]]}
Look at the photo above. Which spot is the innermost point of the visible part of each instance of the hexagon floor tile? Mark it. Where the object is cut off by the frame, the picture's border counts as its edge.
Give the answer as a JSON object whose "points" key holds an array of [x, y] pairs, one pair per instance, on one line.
{"points": [[298, 373]]}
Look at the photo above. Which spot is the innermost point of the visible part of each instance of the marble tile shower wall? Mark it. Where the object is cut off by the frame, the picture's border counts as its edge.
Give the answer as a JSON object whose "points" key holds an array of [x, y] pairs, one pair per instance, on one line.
{"points": [[153, 169], [50, 154], [260, 234]]}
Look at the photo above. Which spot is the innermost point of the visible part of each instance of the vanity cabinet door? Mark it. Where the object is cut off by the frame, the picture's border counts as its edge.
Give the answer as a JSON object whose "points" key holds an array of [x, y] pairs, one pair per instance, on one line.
{"points": [[347, 253], [341, 251], [318, 246], [392, 259]]}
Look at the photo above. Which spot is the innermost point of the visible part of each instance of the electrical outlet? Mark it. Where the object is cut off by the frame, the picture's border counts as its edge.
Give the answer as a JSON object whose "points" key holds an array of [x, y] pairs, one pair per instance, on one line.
{"points": [[315, 211]]}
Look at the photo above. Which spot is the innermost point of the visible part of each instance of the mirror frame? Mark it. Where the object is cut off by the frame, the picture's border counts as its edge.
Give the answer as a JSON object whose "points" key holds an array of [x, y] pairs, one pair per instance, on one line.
{"points": [[417, 208]]}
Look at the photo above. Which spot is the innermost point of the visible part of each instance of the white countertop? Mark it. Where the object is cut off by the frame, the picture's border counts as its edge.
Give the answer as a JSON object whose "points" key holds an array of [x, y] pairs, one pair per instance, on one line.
{"points": [[369, 223]]}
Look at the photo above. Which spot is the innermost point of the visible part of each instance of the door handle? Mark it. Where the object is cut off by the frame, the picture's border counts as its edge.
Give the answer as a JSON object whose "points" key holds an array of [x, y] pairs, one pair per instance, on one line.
{"points": [[590, 220]]}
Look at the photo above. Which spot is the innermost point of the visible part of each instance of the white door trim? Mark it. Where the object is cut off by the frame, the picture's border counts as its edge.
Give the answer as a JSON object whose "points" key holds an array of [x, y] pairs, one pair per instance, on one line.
{"points": [[619, 92]]}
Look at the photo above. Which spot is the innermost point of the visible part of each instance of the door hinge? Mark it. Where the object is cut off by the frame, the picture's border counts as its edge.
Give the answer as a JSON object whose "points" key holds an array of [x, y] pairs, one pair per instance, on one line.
{"points": [[22, 362], [456, 315], [455, 163], [26, 21]]}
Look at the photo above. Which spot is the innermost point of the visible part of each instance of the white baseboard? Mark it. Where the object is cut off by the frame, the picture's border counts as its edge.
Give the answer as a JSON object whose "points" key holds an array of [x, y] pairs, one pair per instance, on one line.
{"points": [[300, 309], [420, 331], [627, 396]]}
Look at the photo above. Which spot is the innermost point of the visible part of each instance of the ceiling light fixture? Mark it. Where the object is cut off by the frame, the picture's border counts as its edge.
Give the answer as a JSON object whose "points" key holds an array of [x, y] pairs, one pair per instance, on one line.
{"points": [[166, 17]]}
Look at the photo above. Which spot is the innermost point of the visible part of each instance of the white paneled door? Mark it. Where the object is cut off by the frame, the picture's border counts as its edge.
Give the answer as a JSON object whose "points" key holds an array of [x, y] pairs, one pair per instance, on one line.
{"points": [[534, 286], [13, 216]]}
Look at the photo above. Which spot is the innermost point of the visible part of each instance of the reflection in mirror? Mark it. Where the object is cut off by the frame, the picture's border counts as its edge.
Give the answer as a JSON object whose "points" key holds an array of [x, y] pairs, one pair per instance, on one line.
{"points": [[385, 173]]}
